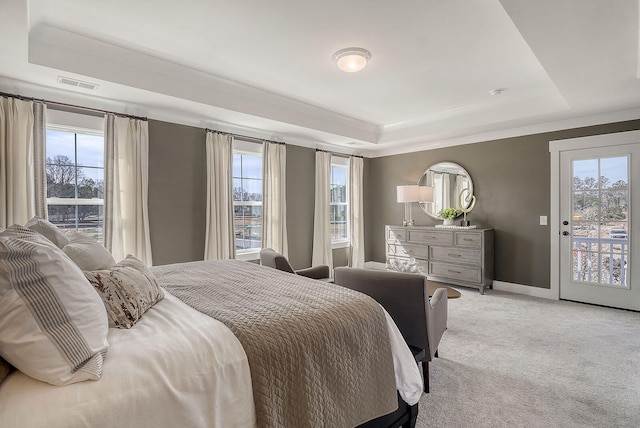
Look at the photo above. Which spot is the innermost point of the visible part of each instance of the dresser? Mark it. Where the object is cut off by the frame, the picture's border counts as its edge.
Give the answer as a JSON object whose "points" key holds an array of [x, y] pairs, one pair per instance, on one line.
{"points": [[455, 256]]}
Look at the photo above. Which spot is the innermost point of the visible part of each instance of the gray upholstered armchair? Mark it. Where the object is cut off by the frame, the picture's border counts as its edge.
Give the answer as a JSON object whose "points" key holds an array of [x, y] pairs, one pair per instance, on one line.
{"points": [[269, 257], [422, 321]]}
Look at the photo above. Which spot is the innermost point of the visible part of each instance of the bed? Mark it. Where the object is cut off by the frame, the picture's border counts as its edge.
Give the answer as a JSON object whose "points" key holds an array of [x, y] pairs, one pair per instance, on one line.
{"points": [[234, 344]]}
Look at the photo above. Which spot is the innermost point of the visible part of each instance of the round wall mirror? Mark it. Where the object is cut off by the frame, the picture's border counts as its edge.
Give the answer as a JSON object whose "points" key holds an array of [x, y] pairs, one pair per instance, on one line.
{"points": [[448, 179]]}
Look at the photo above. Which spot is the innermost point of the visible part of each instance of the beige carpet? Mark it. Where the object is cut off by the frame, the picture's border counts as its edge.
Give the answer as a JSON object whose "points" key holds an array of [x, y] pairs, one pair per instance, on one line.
{"points": [[514, 361]]}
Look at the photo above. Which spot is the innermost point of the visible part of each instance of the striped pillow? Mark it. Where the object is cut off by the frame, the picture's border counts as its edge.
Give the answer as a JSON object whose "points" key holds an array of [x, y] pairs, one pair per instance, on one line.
{"points": [[53, 323]]}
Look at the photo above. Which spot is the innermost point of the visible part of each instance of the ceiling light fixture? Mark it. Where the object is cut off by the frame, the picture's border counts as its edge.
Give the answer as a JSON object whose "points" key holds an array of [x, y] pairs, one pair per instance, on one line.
{"points": [[351, 59]]}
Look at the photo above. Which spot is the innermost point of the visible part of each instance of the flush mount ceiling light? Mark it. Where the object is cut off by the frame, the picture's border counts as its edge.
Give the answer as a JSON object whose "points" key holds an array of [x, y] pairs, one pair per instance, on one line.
{"points": [[351, 59]]}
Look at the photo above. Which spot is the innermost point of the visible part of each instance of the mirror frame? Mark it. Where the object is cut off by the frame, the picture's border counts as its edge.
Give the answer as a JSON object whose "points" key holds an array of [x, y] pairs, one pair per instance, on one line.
{"points": [[429, 207]]}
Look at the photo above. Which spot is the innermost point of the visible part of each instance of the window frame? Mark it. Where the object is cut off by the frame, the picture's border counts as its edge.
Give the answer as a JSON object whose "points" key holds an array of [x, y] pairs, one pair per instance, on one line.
{"points": [[249, 148], [341, 162], [82, 124]]}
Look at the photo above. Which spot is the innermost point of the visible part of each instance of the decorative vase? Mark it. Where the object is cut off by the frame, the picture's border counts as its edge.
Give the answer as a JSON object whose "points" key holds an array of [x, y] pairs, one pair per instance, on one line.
{"points": [[448, 222]]}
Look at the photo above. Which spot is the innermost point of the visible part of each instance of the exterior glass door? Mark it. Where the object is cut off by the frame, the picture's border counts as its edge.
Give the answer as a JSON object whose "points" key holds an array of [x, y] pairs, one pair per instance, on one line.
{"points": [[597, 230]]}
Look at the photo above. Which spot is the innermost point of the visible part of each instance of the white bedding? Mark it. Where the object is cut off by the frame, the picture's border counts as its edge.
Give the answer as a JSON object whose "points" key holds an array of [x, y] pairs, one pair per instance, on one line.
{"points": [[408, 378], [175, 368]]}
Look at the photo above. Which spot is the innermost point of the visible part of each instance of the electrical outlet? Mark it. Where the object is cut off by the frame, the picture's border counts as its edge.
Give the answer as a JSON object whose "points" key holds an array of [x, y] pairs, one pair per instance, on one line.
{"points": [[543, 220]]}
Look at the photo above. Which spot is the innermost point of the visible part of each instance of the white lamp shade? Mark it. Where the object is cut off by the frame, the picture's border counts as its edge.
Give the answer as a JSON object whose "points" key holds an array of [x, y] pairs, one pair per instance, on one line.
{"points": [[414, 193], [408, 193], [425, 194]]}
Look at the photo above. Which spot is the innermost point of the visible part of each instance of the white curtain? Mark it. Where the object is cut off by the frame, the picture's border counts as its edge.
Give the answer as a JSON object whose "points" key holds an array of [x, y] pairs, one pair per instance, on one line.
{"points": [[39, 158], [461, 183], [22, 189], [126, 212], [356, 211], [274, 201], [437, 193], [219, 238], [322, 254], [446, 191]]}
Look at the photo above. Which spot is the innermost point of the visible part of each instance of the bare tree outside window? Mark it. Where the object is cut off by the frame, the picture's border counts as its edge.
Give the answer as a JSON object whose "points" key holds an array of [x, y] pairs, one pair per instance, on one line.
{"points": [[75, 181]]}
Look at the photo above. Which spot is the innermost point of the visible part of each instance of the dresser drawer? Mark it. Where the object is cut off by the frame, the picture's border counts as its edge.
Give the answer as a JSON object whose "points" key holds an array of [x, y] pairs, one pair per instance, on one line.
{"points": [[456, 272], [396, 234], [471, 240], [412, 251], [457, 255], [430, 237], [422, 265]]}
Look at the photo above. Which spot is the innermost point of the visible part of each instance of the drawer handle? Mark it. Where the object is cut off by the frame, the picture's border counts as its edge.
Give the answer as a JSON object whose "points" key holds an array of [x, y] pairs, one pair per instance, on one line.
{"points": [[453, 271], [467, 239], [454, 255]]}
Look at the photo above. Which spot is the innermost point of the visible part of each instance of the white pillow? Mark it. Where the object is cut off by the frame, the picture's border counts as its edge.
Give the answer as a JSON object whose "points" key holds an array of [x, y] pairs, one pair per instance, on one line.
{"points": [[87, 253], [49, 230], [53, 323]]}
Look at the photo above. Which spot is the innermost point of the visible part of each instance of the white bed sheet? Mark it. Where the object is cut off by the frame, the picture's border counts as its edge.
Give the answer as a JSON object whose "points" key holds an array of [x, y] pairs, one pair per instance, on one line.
{"points": [[408, 377], [175, 368]]}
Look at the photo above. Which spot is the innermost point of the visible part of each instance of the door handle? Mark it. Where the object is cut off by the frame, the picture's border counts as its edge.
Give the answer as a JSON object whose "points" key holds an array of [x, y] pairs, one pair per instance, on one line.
{"points": [[565, 233]]}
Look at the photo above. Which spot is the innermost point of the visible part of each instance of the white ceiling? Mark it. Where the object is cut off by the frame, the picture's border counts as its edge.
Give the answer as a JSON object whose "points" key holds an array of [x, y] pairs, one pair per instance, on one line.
{"points": [[265, 68]]}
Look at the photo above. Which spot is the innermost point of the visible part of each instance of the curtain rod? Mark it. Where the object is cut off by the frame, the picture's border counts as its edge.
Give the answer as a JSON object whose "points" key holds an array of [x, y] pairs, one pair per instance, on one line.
{"points": [[246, 137], [49, 102], [339, 154]]}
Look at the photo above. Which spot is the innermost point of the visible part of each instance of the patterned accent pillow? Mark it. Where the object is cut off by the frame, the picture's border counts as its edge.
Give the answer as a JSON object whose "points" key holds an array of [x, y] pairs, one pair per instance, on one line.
{"points": [[87, 253], [53, 324], [128, 289], [48, 230]]}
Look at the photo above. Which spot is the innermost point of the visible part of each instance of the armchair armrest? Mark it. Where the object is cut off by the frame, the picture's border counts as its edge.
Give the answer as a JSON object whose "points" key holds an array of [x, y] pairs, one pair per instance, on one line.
{"points": [[436, 319], [439, 298], [315, 272]]}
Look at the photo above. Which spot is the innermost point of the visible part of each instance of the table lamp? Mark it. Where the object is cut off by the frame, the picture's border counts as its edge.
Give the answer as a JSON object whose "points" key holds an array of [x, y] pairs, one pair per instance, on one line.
{"points": [[413, 193]]}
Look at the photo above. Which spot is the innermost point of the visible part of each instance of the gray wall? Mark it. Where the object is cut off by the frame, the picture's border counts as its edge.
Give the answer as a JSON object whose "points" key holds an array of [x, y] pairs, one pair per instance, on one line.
{"points": [[511, 180], [300, 197], [177, 192], [177, 197]]}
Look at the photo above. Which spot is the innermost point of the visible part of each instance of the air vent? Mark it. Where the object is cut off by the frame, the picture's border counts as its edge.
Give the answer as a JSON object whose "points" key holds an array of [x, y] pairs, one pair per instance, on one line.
{"points": [[77, 83]]}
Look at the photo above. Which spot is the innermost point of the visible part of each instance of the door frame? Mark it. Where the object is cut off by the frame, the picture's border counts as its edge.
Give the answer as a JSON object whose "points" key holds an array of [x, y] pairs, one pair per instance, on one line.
{"points": [[555, 147]]}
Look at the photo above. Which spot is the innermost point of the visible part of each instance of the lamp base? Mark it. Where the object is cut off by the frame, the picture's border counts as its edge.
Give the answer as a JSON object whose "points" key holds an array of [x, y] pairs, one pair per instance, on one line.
{"points": [[408, 220]]}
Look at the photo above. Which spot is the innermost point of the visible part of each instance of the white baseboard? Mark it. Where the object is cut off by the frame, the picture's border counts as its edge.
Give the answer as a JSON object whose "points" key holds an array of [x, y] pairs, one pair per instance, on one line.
{"points": [[544, 293]]}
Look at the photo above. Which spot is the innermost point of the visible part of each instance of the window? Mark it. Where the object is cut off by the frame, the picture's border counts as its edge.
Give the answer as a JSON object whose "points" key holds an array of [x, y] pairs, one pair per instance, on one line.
{"points": [[247, 195], [339, 199], [75, 177]]}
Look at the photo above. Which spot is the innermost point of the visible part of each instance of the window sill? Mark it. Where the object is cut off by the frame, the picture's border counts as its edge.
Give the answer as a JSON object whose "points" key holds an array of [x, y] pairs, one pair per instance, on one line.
{"points": [[340, 244], [248, 255]]}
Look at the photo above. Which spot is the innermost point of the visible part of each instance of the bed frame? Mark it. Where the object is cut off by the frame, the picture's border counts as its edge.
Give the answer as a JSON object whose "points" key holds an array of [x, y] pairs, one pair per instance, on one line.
{"points": [[405, 417]]}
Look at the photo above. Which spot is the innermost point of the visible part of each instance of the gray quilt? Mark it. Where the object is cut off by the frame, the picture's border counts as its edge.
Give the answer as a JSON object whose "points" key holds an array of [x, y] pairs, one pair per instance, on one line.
{"points": [[319, 353]]}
